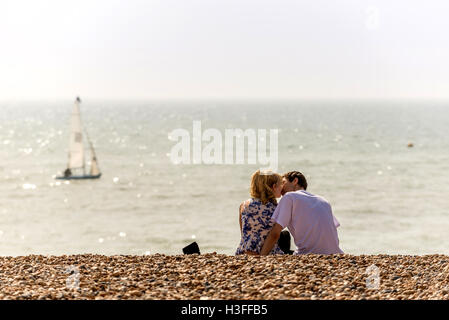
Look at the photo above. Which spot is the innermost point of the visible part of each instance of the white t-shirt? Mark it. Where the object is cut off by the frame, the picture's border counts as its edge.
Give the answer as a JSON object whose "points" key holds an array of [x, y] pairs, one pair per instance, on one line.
{"points": [[310, 220]]}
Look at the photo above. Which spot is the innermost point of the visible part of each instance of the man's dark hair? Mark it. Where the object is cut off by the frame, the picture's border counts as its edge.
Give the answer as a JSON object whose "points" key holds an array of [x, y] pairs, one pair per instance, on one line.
{"points": [[290, 176]]}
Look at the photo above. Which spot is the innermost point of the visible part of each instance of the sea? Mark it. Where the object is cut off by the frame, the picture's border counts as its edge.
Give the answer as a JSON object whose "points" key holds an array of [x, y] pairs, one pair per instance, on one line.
{"points": [[382, 165]]}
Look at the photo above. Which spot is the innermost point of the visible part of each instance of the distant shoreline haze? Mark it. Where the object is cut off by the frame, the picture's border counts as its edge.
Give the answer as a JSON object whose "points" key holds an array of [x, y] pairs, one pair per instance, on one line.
{"points": [[225, 48]]}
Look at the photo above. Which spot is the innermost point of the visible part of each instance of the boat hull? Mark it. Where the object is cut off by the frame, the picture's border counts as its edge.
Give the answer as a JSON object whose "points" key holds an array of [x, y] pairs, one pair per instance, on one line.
{"points": [[79, 177]]}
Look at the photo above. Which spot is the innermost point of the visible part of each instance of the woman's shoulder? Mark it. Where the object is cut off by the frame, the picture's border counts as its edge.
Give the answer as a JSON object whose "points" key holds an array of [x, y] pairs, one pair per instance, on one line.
{"points": [[255, 204], [250, 203], [244, 205]]}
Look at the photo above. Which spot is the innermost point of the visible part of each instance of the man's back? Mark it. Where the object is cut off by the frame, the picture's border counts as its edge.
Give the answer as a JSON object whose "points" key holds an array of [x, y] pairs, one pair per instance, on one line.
{"points": [[310, 220]]}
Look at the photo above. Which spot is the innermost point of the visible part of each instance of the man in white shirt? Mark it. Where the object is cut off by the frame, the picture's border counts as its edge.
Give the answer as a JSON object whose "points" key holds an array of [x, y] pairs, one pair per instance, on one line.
{"points": [[308, 217]]}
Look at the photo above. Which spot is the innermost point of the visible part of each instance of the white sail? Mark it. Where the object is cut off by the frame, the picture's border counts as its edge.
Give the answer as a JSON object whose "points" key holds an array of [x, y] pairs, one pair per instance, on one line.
{"points": [[76, 150], [94, 170], [94, 167]]}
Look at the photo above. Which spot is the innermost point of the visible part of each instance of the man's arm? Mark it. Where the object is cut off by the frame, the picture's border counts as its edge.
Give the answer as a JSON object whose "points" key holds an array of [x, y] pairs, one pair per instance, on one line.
{"points": [[281, 217], [271, 239]]}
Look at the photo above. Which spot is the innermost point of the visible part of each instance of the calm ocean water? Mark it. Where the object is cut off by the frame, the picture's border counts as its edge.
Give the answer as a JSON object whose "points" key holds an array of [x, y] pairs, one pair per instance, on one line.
{"points": [[388, 198]]}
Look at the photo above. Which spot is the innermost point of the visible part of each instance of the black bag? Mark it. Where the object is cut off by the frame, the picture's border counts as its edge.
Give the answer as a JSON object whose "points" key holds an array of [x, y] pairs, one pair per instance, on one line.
{"points": [[284, 242], [191, 248]]}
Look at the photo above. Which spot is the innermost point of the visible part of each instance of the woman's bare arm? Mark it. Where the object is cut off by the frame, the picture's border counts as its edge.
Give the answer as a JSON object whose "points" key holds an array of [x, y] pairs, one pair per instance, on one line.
{"points": [[242, 206], [240, 217]]}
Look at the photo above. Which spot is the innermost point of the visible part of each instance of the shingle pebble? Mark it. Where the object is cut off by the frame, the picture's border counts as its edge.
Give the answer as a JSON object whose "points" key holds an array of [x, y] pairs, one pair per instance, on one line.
{"points": [[217, 276]]}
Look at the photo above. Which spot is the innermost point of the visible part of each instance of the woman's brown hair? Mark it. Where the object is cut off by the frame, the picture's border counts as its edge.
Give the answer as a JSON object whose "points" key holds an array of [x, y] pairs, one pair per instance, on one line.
{"points": [[262, 185]]}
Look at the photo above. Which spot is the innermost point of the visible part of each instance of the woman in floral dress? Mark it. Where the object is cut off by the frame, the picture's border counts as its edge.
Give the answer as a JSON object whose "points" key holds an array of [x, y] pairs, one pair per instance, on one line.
{"points": [[255, 213]]}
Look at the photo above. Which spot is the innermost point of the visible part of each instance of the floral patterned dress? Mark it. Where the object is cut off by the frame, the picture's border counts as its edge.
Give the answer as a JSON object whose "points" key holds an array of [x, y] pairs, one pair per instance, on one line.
{"points": [[256, 225]]}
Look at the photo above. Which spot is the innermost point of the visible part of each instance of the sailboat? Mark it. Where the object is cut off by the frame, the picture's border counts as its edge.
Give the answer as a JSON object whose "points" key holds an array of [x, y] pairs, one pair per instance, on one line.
{"points": [[76, 167]]}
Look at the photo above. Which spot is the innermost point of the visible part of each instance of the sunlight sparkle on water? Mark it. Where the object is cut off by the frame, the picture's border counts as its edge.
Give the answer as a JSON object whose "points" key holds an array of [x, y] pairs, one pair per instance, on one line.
{"points": [[29, 186]]}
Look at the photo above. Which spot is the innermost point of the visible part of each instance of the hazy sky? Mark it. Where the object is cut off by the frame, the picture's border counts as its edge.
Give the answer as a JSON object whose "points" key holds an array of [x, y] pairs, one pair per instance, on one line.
{"points": [[178, 49]]}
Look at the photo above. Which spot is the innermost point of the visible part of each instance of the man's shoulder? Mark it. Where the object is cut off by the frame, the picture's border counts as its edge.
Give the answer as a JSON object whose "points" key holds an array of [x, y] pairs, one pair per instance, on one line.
{"points": [[298, 194], [304, 195], [292, 196]]}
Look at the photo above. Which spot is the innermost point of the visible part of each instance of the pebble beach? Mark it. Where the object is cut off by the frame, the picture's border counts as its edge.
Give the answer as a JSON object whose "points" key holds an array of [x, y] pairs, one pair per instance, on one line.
{"points": [[217, 276]]}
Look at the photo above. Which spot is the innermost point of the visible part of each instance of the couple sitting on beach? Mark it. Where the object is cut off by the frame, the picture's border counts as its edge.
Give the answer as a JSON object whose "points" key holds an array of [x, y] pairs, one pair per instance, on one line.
{"points": [[308, 217]]}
